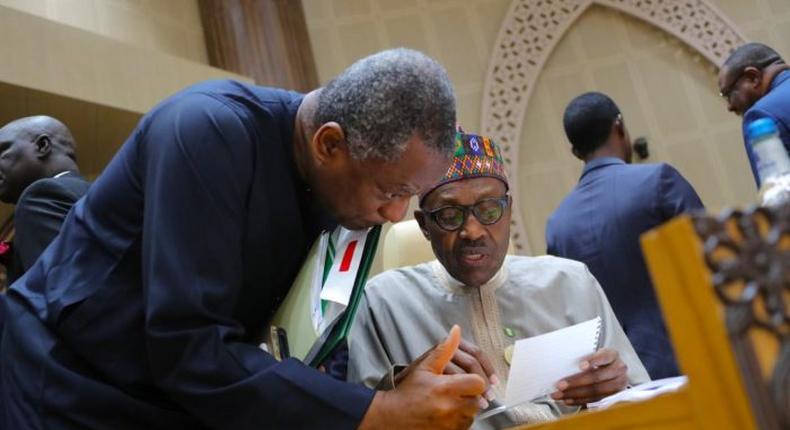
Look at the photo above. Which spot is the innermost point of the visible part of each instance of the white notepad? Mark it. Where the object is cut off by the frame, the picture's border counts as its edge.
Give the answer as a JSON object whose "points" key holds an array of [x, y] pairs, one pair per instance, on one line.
{"points": [[539, 362], [642, 392]]}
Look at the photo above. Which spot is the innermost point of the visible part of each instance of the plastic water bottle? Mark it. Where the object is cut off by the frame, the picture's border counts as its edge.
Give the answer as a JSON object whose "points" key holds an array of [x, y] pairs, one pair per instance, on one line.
{"points": [[772, 161]]}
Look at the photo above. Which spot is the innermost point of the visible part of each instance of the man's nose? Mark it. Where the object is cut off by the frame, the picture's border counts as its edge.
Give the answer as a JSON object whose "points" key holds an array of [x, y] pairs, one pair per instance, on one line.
{"points": [[395, 210], [472, 228]]}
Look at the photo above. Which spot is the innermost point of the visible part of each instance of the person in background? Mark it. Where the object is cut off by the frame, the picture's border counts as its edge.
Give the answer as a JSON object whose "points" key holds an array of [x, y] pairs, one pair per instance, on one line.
{"points": [[755, 82], [147, 310], [40, 176], [600, 221], [496, 299]]}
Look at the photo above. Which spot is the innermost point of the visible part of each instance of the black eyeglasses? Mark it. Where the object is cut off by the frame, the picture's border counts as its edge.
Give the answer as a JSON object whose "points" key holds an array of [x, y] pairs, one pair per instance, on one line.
{"points": [[727, 92], [487, 212]]}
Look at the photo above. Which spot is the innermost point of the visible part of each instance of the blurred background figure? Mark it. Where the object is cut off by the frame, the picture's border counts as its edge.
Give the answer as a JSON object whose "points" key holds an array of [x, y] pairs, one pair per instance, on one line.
{"points": [[755, 82]]}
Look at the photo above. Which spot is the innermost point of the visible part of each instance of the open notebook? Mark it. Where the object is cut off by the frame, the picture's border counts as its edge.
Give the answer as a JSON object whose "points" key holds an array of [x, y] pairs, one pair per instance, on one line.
{"points": [[539, 362]]}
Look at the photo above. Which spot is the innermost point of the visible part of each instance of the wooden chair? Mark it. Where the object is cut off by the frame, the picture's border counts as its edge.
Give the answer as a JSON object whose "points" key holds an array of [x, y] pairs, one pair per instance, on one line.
{"points": [[724, 287]]}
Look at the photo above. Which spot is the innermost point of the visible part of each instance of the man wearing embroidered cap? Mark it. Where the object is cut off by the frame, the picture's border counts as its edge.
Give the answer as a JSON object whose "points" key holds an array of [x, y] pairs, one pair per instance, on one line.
{"points": [[496, 299]]}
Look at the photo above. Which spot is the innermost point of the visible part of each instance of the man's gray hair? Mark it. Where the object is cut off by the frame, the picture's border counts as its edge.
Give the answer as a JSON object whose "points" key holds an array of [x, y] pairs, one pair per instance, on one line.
{"points": [[384, 99]]}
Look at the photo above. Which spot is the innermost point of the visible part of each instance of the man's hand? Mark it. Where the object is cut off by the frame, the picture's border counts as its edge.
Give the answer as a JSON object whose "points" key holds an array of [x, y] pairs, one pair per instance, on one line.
{"points": [[470, 359], [603, 374], [427, 399]]}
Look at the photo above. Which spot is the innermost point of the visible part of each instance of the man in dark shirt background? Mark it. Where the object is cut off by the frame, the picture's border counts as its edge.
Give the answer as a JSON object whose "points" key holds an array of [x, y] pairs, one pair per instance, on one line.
{"points": [[600, 221], [148, 308]]}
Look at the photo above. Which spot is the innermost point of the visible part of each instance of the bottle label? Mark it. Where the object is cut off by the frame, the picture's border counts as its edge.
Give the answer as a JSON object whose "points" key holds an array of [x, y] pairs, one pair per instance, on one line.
{"points": [[770, 157]]}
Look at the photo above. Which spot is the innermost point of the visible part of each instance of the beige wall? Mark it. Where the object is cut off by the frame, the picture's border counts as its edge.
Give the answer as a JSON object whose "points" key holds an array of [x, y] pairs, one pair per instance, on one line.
{"points": [[97, 85], [46, 55], [459, 33], [171, 26], [667, 92]]}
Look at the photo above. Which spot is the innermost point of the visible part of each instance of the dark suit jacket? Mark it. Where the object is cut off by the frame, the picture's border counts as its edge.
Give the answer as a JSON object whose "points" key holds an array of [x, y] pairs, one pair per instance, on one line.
{"points": [[39, 214], [147, 310], [775, 104], [599, 224]]}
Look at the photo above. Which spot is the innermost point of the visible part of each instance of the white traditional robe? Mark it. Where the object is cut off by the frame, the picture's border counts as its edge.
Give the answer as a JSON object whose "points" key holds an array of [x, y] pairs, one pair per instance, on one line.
{"points": [[407, 311]]}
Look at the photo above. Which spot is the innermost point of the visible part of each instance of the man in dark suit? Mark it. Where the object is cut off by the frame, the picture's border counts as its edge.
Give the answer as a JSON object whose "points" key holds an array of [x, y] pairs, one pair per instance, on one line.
{"points": [[38, 174], [148, 308], [600, 221], [755, 82]]}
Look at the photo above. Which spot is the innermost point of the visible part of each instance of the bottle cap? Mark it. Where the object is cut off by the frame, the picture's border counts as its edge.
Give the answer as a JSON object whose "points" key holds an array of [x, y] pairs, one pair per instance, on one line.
{"points": [[760, 128]]}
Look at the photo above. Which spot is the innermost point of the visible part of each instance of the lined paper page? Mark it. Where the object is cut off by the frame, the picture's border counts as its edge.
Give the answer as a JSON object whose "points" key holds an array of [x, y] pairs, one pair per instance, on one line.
{"points": [[541, 361]]}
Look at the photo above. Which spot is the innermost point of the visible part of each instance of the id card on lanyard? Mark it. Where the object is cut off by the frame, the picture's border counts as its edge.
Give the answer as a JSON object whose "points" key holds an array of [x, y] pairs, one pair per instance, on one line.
{"points": [[333, 279], [317, 313]]}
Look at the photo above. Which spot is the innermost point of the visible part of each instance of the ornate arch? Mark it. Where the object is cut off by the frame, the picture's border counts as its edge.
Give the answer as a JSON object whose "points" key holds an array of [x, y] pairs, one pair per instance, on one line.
{"points": [[530, 32]]}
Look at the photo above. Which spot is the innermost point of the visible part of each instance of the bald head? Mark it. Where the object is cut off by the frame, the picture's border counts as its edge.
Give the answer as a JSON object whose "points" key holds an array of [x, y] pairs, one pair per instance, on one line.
{"points": [[31, 127], [33, 148]]}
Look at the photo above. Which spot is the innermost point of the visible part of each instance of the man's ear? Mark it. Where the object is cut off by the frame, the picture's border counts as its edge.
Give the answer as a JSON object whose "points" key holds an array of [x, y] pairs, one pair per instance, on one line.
{"points": [[328, 142], [43, 146], [753, 75], [421, 220], [618, 127]]}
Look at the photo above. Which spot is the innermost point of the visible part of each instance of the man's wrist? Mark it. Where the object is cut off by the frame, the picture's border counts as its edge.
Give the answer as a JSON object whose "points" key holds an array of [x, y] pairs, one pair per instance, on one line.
{"points": [[378, 411]]}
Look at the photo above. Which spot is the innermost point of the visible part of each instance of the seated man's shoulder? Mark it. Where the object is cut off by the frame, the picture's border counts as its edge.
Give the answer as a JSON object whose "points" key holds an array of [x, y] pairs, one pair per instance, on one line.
{"points": [[403, 279], [62, 188], [48, 187], [549, 272], [543, 263]]}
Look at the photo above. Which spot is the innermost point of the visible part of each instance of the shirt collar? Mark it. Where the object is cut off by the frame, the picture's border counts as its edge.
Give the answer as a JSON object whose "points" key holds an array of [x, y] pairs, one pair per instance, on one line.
{"points": [[62, 174], [455, 286], [779, 79], [600, 162]]}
